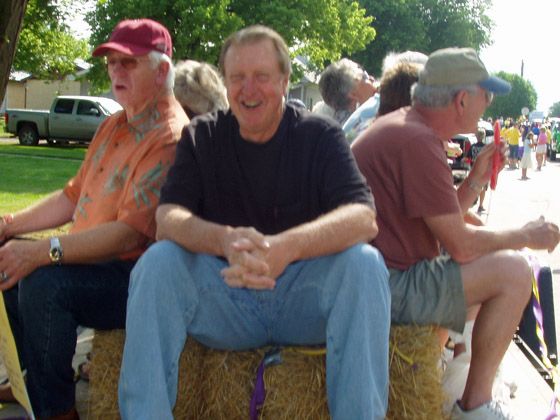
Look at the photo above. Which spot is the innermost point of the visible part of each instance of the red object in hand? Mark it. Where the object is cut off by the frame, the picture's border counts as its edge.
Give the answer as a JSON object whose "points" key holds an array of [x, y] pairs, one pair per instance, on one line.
{"points": [[496, 159]]}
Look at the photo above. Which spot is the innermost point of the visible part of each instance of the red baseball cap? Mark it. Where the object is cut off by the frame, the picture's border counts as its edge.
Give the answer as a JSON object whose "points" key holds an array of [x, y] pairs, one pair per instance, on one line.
{"points": [[137, 37]]}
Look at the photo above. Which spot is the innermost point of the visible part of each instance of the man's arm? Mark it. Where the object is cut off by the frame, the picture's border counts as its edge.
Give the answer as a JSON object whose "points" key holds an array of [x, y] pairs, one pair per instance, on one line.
{"points": [[328, 234], [479, 175], [18, 258], [54, 210], [466, 243], [255, 261]]}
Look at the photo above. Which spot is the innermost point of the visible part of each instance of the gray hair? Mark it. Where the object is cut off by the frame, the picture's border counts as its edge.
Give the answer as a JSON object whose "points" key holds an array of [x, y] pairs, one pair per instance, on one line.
{"points": [[437, 96], [337, 81], [199, 88], [393, 58], [257, 33], [156, 58]]}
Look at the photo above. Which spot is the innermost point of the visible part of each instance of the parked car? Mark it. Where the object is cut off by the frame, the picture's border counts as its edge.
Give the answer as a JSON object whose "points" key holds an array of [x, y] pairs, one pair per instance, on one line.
{"points": [[461, 165], [71, 118]]}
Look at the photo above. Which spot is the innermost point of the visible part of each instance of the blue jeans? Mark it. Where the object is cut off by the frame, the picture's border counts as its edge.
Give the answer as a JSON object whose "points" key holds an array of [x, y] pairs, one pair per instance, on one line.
{"points": [[45, 310], [342, 300]]}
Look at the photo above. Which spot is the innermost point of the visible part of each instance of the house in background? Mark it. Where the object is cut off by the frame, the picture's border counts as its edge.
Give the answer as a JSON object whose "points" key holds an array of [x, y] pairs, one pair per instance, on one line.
{"points": [[306, 89], [27, 92]]}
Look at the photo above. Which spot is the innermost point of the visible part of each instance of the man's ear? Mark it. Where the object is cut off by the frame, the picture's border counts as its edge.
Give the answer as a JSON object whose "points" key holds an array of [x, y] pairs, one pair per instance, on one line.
{"points": [[162, 71], [460, 101]]}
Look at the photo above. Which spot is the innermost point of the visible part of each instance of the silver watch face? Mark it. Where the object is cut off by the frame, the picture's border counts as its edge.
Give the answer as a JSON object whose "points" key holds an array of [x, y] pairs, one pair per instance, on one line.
{"points": [[55, 254]]}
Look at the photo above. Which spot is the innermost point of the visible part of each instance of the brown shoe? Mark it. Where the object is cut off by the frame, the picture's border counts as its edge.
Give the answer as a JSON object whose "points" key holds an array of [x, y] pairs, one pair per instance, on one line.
{"points": [[6, 394]]}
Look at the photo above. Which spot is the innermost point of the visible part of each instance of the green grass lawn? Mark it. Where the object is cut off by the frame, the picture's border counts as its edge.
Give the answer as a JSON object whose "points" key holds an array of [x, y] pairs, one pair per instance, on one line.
{"points": [[25, 179], [44, 150]]}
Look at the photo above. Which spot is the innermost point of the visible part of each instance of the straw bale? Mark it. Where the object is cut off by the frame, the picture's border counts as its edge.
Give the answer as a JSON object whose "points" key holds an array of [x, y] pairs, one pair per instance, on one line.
{"points": [[415, 390], [218, 385]]}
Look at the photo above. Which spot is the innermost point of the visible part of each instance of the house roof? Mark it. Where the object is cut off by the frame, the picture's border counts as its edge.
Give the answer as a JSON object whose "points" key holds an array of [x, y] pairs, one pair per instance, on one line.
{"points": [[82, 67], [19, 76]]}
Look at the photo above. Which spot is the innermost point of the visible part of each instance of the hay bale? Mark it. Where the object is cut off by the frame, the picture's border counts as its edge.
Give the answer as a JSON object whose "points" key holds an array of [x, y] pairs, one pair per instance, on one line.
{"points": [[415, 390], [218, 384]]}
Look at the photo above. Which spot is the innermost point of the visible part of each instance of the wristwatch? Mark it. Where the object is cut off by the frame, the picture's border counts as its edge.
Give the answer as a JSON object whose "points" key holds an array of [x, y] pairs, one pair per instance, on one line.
{"points": [[55, 253]]}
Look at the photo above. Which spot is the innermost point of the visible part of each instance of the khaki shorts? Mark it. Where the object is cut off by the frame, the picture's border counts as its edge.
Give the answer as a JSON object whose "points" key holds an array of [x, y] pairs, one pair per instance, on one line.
{"points": [[429, 292]]}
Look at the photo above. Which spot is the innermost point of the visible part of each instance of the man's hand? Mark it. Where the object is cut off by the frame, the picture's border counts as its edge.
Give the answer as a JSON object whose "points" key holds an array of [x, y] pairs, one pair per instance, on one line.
{"points": [[542, 234], [245, 250], [4, 221], [18, 258], [482, 168]]}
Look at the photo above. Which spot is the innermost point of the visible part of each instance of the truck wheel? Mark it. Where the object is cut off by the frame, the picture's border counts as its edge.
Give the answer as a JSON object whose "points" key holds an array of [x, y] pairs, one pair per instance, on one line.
{"points": [[28, 135]]}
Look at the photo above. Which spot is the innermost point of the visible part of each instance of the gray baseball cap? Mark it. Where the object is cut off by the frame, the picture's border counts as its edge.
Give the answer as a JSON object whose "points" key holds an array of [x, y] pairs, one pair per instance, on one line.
{"points": [[460, 66]]}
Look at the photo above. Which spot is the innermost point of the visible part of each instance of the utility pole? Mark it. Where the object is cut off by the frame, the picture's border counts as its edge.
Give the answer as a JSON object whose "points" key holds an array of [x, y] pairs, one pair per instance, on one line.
{"points": [[522, 66]]}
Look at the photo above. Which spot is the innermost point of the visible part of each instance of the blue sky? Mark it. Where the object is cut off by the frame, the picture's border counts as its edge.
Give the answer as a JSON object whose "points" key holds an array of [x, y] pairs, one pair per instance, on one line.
{"points": [[528, 31]]}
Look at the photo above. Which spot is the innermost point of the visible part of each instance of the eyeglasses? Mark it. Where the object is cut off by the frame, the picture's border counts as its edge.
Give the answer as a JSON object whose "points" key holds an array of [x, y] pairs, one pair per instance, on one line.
{"points": [[127, 63]]}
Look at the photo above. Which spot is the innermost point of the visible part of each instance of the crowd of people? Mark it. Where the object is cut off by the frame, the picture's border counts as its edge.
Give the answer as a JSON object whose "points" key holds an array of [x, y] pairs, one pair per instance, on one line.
{"points": [[212, 207], [524, 138]]}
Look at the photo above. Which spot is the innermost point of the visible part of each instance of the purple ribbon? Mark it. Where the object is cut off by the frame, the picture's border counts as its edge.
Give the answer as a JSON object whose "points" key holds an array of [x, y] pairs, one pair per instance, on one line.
{"points": [[259, 394], [537, 311], [271, 358]]}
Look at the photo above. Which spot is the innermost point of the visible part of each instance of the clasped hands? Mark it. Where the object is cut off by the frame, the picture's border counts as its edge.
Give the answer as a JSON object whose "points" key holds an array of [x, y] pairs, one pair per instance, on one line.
{"points": [[255, 260]]}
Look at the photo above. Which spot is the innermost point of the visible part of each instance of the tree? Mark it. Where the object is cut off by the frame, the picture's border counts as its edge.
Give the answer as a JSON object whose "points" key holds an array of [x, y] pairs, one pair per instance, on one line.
{"points": [[11, 17], [46, 47], [320, 29], [522, 95], [424, 26], [554, 110]]}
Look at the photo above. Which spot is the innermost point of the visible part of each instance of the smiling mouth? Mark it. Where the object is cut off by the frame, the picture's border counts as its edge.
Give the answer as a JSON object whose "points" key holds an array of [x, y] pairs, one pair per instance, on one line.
{"points": [[251, 104]]}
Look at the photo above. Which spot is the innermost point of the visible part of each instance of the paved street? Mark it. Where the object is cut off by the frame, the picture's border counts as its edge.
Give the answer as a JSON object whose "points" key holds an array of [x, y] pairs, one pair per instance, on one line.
{"points": [[514, 203]]}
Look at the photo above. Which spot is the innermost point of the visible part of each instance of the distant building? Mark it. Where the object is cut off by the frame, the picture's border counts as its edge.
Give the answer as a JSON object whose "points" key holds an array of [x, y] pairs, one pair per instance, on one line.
{"points": [[536, 116], [306, 89], [28, 92]]}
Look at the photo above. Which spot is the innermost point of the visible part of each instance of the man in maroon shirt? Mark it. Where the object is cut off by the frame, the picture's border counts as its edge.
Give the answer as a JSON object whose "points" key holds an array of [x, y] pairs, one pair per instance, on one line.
{"points": [[403, 159]]}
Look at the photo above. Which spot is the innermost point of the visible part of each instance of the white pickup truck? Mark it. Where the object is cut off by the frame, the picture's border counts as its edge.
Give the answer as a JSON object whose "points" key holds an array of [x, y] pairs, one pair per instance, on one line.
{"points": [[71, 118]]}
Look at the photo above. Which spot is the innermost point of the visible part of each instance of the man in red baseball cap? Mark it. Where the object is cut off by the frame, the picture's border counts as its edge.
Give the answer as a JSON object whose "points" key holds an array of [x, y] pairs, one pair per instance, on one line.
{"points": [[137, 37], [51, 286]]}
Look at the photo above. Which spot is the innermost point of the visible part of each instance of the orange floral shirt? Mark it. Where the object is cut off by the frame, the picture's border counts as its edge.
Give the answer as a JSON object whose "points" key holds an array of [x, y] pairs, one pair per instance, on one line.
{"points": [[124, 169]]}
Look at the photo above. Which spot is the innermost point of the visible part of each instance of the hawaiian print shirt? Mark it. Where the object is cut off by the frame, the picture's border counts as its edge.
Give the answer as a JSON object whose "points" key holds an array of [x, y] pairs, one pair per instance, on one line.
{"points": [[124, 169]]}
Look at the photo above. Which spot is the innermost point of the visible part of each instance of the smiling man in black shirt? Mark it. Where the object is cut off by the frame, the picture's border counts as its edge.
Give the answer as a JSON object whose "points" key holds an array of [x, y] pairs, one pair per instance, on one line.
{"points": [[263, 227]]}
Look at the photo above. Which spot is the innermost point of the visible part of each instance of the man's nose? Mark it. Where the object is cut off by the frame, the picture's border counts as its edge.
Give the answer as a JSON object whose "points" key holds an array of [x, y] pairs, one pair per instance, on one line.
{"points": [[249, 84]]}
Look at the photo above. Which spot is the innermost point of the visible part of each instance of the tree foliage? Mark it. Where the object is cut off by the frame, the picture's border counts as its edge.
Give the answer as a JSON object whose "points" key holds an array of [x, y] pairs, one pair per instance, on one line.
{"points": [[46, 47], [424, 26], [322, 30], [522, 95], [554, 110]]}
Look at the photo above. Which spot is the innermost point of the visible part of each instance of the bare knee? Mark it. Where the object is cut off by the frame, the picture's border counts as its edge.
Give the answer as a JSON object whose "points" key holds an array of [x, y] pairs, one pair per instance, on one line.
{"points": [[517, 276], [504, 273]]}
